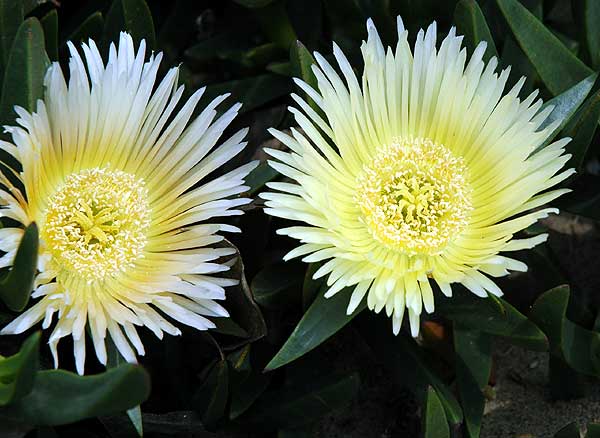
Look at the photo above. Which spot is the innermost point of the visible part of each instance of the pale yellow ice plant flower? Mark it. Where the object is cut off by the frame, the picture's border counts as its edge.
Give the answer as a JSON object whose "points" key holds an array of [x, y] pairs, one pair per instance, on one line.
{"points": [[423, 172], [116, 180]]}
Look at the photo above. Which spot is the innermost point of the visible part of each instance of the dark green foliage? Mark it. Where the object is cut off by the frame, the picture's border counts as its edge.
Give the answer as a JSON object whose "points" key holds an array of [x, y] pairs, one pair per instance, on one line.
{"points": [[289, 357]]}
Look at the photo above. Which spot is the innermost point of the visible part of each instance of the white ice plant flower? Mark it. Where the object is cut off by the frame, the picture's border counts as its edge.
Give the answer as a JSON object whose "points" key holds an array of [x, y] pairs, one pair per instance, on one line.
{"points": [[116, 180], [421, 173]]}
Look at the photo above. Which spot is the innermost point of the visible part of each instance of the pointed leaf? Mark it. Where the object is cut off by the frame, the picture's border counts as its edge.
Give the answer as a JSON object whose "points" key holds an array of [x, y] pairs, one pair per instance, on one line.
{"points": [[579, 347], [257, 179], [491, 315], [571, 430], [11, 17], [473, 364], [408, 364], [303, 403], [302, 62], [278, 284], [471, 23], [132, 16], [540, 45], [50, 25], [566, 104], [593, 430], [23, 81], [17, 373], [581, 129], [587, 16], [324, 318], [92, 27], [15, 289], [211, 398], [60, 397], [435, 424], [253, 4]]}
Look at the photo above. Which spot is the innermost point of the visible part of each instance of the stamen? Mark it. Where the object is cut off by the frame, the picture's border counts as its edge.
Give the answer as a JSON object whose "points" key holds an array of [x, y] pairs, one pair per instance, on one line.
{"points": [[414, 196], [95, 224]]}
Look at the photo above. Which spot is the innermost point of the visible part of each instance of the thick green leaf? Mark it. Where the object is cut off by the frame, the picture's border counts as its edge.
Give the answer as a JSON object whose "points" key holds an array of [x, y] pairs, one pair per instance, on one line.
{"points": [[17, 373], [227, 326], [252, 92], [473, 364], [571, 430], [253, 4], [23, 81], [15, 289], [581, 129], [211, 398], [593, 430], [470, 22], [114, 359], [246, 383], [11, 17], [92, 27], [132, 16], [30, 5], [579, 347], [435, 424], [304, 402], [278, 284], [540, 45], [302, 62], [276, 25], [324, 318], [408, 364], [566, 104], [61, 397], [244, 311], [587, 17], [311, 287], [491, 315], [50, 25], [257, 179]]}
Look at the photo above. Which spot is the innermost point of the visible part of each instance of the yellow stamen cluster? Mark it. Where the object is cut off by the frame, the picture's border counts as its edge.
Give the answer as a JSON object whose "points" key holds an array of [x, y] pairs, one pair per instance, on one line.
{"points": [[414, 196], [95, 224]]}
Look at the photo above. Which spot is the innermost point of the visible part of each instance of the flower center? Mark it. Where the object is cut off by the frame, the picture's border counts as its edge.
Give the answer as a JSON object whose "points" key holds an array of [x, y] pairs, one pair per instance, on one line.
{"points": [[414, 196], [95, 224]]}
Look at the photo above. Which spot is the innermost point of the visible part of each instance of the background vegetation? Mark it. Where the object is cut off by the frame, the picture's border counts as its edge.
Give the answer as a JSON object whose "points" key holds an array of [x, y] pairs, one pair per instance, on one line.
{"points": [[275, 368]]}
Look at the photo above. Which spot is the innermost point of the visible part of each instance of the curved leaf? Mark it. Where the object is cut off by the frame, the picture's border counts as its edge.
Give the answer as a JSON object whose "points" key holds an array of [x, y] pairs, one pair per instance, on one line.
{"points": [[491, 315], [473, 364], [50, 25], [470, 22], [323, 319], [303, 403], [541, 45], [408, 364], [435, 424], [581, 129], [11, 17], [587, 16], [17, 373], [60, 397], [16, 288], [23, 81], [132, 16], [211, 398], [566, 104], [579, 347]]}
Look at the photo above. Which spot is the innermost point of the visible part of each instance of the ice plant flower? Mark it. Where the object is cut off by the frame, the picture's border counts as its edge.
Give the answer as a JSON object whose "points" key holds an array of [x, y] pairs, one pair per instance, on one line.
{"points": [[419, 174], [116, 181]]}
